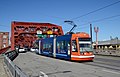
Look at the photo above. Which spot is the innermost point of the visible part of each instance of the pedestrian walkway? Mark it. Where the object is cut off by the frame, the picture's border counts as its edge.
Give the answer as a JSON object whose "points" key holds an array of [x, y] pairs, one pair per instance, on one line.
{"points": [[3, 72]]}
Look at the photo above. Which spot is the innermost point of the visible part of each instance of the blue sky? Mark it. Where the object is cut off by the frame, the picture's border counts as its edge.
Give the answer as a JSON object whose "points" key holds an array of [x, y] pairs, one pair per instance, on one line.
{"points": [[57, 11]]}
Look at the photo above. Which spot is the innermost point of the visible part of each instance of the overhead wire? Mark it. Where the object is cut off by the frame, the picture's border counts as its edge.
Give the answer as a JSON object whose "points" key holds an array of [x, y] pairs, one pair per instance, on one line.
{"points": [[105, 18], [93, 12], [83, 14], [96, 10], [99, 20]]}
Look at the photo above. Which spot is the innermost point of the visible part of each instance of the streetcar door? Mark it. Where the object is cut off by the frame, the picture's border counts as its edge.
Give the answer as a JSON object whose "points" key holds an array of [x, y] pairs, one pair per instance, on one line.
{"points": [[74, 46], [74, 49]]}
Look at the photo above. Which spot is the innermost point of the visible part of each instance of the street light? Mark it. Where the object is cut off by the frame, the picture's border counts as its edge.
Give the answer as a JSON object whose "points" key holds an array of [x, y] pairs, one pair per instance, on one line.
{"points": [[96, 29]]}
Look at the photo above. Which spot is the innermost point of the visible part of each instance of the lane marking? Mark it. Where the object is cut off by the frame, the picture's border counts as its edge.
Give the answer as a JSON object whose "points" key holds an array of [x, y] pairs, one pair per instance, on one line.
{"points": [[111, 71], [43, 74]]}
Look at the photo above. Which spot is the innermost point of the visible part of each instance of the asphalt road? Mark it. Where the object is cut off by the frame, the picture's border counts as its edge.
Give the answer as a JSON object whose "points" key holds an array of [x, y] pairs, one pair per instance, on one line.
{"points": [[108, 62], [40, 66]]}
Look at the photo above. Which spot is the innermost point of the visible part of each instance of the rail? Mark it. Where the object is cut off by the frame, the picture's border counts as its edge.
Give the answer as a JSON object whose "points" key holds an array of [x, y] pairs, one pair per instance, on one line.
{"points": [[3, 50], [107, 52], [12, 54], [14, 69]]}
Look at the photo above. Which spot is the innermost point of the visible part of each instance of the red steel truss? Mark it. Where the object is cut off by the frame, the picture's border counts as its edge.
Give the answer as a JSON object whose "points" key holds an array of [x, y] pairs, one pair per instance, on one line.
{"points": [[25, 33]]}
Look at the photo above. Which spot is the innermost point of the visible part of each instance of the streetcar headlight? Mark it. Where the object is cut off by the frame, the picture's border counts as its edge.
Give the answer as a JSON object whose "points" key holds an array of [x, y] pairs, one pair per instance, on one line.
{"points": [[82, 53], [85, 53], [91, 53]]}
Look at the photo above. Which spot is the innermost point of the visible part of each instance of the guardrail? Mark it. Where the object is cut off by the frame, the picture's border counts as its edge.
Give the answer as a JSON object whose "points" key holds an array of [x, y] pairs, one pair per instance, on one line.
{"points": [[3, 50], [14, 69], [12, 54]]}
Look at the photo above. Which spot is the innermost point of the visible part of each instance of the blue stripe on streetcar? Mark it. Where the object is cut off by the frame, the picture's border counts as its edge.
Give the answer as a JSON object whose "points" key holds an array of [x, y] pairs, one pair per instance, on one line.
{"points": [[46, 53], [61, 54]]}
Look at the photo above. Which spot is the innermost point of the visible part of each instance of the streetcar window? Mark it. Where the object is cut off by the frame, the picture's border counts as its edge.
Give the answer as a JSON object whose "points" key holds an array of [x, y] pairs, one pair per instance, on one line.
{"points": [[84, 39], [61, 46], [58, 47], [47, 46], [44, 46], [85, 44], [74, 47]]}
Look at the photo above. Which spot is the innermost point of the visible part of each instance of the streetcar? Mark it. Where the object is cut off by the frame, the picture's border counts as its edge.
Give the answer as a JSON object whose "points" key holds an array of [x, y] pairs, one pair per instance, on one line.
{"points": [[76, 47]]}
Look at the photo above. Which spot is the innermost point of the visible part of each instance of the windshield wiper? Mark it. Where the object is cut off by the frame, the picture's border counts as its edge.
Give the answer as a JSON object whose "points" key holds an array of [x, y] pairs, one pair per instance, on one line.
{"points": [[86, 50]]}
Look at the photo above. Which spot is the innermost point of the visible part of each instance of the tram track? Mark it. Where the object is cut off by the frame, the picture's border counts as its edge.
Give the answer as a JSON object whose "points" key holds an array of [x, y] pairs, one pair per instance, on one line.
{"points": [[103, 66], [111, 64]]}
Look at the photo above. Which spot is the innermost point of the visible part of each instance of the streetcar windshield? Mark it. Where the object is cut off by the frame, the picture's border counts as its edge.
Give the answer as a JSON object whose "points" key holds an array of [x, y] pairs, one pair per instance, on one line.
{"points": [[85, 45]]}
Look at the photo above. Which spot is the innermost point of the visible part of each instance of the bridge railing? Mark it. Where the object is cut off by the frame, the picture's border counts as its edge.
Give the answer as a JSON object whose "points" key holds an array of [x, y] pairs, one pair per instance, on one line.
{"points": [[15, 70], [107, 52], [3, 50], [12, 54]]}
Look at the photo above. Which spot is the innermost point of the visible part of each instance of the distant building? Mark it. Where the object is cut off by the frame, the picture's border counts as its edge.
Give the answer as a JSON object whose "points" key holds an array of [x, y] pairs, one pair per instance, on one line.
{"points": [[4, 39], [108, 44]]}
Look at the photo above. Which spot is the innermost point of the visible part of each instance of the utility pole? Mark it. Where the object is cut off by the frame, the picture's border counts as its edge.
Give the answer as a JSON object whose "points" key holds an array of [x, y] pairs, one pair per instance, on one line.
{"points": [[91, 32], [96, 29]]}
